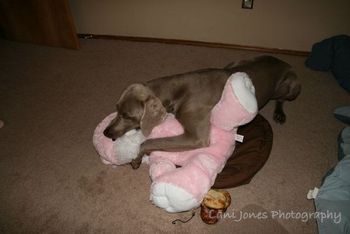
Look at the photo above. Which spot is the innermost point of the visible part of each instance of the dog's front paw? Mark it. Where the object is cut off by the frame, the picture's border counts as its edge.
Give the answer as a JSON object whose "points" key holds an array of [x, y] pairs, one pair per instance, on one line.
{"points": [[279, 117], [135, 163]]}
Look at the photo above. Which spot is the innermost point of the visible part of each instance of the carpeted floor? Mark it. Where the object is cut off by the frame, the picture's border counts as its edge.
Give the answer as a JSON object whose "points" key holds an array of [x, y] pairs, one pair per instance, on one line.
{"points": [[52, 181]]}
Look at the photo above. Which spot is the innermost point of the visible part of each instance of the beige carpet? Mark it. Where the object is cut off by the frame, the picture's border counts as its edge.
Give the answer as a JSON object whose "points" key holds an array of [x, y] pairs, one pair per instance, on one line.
{"points": [[52, 181]]}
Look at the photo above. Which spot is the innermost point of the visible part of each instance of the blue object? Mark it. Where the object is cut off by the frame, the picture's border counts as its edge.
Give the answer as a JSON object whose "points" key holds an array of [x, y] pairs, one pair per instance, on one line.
{"points": [[343, 114], [333, 200], [344, 143], [332, 54], [343, 149]]}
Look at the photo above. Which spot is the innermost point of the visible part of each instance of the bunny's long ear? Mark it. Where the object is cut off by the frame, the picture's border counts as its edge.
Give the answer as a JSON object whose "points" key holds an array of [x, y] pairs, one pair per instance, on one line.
{"points": [[154, 113]]}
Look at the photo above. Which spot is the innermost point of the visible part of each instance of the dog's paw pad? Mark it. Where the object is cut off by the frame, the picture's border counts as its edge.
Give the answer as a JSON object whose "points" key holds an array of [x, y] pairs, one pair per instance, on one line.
{"points": [[279, 117], [172, 198]]}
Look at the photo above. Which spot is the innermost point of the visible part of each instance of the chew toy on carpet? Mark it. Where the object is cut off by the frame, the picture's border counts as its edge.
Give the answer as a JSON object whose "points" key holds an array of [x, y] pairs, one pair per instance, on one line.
{"points": [[182, 188]]}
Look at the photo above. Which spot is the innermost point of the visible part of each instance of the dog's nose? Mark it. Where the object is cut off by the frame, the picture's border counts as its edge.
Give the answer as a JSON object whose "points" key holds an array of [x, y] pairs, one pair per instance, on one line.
{"points": [[107, 133]]}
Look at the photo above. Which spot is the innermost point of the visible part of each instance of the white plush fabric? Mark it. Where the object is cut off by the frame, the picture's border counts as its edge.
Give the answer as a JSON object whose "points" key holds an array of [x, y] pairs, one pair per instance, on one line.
{"points": [[244, 90], [127, 146], [172, 198]]}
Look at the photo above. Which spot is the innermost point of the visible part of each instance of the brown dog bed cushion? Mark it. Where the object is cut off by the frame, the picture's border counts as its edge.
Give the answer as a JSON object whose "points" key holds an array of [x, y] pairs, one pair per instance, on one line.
{"points": [[249, 157]]}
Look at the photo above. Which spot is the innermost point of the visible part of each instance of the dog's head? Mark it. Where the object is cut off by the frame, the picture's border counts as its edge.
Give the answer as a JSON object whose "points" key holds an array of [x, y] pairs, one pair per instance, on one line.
{"points": [[137, 108]]}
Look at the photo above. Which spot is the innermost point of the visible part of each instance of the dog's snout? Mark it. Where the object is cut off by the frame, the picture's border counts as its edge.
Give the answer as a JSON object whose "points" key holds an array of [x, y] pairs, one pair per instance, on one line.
{"points": [[118, 127], [108, 134]]}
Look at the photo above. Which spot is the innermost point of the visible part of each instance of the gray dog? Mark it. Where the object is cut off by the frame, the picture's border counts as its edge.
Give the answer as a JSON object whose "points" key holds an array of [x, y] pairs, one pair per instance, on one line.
{"points": [[191, 97]]}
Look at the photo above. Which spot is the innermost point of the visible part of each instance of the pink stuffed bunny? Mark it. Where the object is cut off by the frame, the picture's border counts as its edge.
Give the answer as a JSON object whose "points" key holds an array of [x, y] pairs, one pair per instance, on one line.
{"points": [[182, 188]]}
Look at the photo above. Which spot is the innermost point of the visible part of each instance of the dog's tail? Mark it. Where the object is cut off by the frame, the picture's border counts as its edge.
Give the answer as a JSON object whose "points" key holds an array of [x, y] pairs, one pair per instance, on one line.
{"points": [[236, 64], [230, 65]]}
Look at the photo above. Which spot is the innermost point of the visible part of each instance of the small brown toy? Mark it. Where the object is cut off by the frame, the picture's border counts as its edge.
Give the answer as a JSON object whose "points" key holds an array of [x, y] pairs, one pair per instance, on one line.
{"points": [[214, 205]]}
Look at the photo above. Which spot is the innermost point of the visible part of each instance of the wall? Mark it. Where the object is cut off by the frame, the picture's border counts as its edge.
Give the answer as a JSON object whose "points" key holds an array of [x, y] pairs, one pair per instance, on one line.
{"points": [[288, 24]]}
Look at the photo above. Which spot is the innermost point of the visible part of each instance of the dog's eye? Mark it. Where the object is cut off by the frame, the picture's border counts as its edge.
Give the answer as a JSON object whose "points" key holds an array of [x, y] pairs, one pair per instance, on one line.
{"points": [[127, 117], [122, 115]]}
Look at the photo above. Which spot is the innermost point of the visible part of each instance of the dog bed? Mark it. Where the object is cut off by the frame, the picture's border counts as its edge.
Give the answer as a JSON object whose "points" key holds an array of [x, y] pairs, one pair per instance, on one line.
{"points": [[249, 157]]}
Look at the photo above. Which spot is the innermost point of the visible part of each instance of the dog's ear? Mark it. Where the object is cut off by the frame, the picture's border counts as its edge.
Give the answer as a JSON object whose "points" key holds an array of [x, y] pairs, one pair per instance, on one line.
{"points": [[138, 90], [153, 114], [289, 87]]}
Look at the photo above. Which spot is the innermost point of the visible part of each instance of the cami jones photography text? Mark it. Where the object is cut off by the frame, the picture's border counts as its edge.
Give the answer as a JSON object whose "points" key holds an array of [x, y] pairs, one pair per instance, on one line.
{"points": [[304, 216]]}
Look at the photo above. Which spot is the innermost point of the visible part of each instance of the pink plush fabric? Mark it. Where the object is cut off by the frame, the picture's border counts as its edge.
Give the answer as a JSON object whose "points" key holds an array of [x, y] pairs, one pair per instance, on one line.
{"points": [[199, 167], [237, 105], [104, 145]]}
